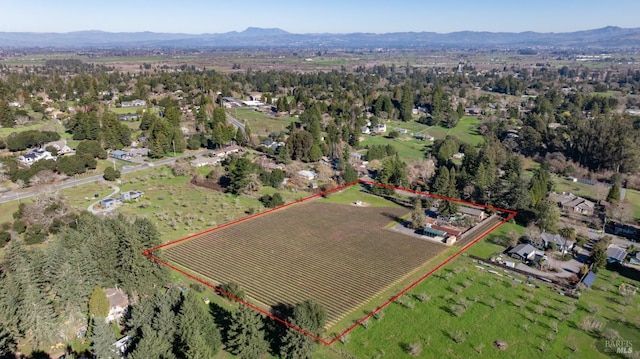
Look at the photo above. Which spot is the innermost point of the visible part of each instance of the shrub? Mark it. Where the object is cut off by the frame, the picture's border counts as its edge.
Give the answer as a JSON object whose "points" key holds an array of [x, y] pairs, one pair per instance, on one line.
{"points": [[272, 201], [233, 289], [19, 226], [35, 234], [5, 237]]}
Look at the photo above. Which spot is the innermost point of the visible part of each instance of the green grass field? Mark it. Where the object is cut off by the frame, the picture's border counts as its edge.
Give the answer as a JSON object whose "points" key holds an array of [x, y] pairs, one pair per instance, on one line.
{"points": [[261, 124], [466, 131], [41, 126], [468, 309], [407, 148]]}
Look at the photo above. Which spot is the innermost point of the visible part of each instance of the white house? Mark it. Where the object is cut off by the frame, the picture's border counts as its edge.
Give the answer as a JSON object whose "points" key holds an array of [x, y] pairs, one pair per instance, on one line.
{"points": [[118, 304], [308, 175], [35, 156], [380, 128], [205, 161], [365, 130]]}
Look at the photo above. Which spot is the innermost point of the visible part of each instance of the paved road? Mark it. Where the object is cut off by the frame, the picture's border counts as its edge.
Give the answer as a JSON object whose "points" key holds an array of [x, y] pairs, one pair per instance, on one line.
{"points": [[72, 182], [235, 123]]}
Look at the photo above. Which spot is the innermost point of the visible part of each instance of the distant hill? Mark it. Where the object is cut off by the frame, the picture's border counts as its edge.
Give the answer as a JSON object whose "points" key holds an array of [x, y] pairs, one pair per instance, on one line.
{"points": [[610, 37]]}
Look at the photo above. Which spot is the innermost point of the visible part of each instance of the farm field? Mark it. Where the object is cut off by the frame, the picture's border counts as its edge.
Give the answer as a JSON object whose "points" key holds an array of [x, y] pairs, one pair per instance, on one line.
{"points": [[338, 254]]}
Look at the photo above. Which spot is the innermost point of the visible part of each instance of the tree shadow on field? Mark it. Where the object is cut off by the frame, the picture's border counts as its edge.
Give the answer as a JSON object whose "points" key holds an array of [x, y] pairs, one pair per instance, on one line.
{"points": [[222, 317], [275, 330], [393, 217]]}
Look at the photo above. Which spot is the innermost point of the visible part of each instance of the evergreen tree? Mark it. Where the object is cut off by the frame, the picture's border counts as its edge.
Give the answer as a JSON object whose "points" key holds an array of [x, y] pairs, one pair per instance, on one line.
{"points": [[406, 105], [102, 339], [418, 217], [198, 334], [239, 137], [152, 345], [349, 174], [315, 153], [246, 334], [98, 303], [394, 172], [309, 316], [614, 192]]}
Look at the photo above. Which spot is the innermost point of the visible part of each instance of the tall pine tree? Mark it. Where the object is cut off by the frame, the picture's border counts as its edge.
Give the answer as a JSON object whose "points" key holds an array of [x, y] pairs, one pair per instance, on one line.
{"points": [[246, 334]]}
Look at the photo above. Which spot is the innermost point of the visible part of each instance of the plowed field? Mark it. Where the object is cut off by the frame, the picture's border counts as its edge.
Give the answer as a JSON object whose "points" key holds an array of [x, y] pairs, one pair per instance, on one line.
{"points": [[339, 255]]}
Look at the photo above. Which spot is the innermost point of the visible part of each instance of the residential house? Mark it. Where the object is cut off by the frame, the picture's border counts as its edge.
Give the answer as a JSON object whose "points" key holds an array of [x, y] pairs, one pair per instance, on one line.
{"points": [[564, 245], [523, 252], [34, 156], [61, 147], [14, 104], [129, 117], [134, 103], [616, 254], [571, 203], [225, 151], [118, 303], [120, 155], [138, 152], [380, 128], [107, 203], [308, 175], [130, 195], [458, 156], [365, 130], [474, 212], [205, 161], [403, 131]]}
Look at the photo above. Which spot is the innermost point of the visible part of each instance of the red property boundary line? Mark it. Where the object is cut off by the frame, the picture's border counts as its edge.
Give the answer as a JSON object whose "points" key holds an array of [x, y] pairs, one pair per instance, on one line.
{"points": [[149, 253]]}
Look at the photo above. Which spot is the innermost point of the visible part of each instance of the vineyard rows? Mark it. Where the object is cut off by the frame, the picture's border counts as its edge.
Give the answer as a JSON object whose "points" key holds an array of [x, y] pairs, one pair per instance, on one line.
{"points": [[339, 255]]}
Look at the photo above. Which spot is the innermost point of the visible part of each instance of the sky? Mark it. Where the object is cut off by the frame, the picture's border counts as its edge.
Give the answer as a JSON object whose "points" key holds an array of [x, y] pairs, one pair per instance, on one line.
{"points": [[317, 16]]}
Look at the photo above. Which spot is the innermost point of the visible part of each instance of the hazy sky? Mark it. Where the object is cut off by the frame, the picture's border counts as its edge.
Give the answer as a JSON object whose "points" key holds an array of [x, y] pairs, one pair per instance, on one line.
{"points": [[303, 16]]}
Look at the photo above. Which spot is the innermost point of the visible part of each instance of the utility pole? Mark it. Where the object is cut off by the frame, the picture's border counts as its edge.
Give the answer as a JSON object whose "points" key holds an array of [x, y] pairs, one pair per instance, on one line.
{"points": [[174, 147]]}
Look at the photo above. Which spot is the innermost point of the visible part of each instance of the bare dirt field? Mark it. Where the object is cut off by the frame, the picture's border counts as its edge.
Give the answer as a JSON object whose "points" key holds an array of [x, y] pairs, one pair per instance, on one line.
{"points": [[340, 255]]}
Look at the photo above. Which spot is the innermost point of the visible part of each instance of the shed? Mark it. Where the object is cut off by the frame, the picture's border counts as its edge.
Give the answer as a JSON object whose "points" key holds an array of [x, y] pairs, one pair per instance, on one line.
{"points": [[107, 202], [432, 232], [589, 278]]}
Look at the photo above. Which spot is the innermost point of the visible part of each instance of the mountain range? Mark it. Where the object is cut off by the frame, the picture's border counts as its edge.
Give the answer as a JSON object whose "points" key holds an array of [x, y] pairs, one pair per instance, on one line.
{"points": [[610, 37]]}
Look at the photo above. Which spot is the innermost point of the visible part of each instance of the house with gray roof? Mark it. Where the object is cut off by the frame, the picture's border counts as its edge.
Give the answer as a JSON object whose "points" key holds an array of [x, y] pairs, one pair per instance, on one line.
{"points": [[571, 203], [523, 252], [564, 245], [616, 254]]}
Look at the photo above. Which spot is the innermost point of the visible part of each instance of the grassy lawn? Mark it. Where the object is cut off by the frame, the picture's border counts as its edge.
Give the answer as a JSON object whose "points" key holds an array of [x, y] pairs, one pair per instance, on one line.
{"points": [[633, 196], [352, 194], [468, 309], [261, 124], [407, 149], [179, 208], [126, 110], [561, 184], [466, 131], [48, 126]]}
